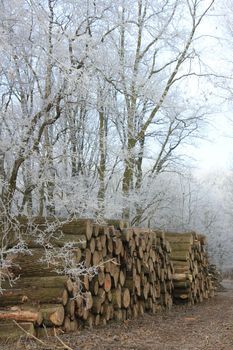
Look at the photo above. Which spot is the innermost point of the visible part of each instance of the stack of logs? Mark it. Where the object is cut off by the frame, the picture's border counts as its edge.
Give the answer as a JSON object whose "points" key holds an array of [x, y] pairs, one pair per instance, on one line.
{"points": [[191, 280], [134, 276], [216, 277]]}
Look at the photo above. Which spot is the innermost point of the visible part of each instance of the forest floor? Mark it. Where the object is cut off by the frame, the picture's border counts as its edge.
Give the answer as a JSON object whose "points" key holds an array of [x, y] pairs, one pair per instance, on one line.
{"points": [[206, 326]]}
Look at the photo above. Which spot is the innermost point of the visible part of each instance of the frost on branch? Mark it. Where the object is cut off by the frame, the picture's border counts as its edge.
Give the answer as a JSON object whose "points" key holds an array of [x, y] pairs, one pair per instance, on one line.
{"points": [[41, 237], [64, 261], [12, 244]]}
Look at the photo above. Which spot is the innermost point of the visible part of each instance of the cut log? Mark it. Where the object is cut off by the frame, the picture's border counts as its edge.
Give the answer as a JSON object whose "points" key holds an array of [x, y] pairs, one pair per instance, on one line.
{"points": [[38, 282], [182, 255], [117, 245], [178, 246], [58, 239], [109, 245], [107, 282], [69, 309], [98, 244], [52, 315], [107, 310], [94, 285], [88, 300], [125, 297], [96, 258], [103, 240], [182, 238], [73, 226], [37, 296], [90, 320], [67, 325], [101, 277], [122, 277], [182, 277], [88, 256], [97, 320], [116, 298], [74, 325], [14, 331], [77, 227], [97, 303], [85, 282], [20, 315], [92, 245], [34, 264], [114, 272]]}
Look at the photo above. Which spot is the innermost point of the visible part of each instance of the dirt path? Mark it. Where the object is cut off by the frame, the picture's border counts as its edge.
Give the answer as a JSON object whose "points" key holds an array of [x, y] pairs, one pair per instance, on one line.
{"points": [[208, 326]]}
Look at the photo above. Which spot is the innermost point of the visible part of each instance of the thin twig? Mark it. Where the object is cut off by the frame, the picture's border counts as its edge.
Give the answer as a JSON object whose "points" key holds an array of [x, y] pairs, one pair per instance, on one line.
{"points": [[66, 347], [29, 334]]}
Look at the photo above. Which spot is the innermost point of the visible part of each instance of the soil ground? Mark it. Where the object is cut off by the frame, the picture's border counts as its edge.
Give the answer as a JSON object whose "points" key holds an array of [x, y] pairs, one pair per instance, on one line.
{"points": [[207, 326]]}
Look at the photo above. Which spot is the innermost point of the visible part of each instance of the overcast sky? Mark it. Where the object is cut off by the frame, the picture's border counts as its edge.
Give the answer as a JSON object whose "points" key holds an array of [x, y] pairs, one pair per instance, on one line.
{"points": [[216, 150]]}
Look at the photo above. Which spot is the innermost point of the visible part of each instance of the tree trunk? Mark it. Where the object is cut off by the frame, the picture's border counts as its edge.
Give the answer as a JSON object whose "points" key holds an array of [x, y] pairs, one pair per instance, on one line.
{"points": [[102, 163]]}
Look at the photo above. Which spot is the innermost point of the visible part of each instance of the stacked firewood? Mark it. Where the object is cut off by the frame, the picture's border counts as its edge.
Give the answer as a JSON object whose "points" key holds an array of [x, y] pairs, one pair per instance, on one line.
{"points": [[192, 282], [42, 297], [216, 277], [132, 275]]}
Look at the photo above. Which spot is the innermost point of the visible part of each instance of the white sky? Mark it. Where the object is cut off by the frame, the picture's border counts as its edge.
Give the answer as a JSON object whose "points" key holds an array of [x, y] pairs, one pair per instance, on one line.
{"points": [[214, 154], [216, 151]]}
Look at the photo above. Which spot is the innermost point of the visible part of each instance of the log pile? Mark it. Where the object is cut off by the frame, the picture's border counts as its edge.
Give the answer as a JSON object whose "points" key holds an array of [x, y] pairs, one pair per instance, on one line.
{"points": [[136, 271], [216, 277], [134, 276], [41, 298], [192, 282]]}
